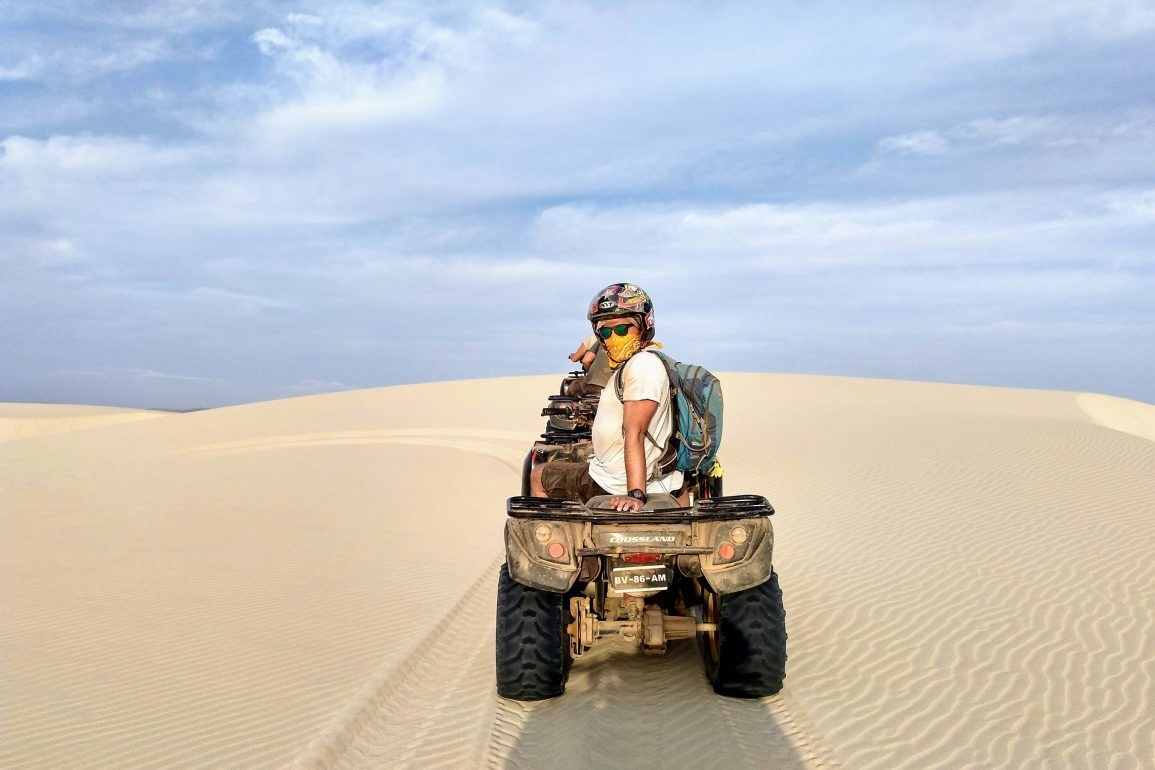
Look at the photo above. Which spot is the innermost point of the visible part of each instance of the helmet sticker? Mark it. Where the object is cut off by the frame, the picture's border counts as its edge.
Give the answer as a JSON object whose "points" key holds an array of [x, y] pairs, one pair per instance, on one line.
{"points": [[622, 298]]}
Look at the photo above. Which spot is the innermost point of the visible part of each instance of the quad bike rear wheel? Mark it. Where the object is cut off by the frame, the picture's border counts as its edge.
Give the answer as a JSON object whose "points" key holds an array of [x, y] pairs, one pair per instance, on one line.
{"points": [[533, 653], [746, 656]]}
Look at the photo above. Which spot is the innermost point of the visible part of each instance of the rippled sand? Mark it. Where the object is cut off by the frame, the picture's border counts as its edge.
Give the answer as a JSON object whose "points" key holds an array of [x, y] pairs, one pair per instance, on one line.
{"points": [[967, 574]]}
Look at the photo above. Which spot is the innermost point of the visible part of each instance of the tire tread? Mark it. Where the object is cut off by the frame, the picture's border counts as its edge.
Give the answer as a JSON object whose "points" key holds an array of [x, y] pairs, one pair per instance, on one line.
{"points": [[533, 656], [752, 659]]}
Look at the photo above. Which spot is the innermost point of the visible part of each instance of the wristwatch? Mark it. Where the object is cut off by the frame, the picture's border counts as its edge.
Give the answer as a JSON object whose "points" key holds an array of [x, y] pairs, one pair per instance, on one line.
{"points": [[638, 494]]}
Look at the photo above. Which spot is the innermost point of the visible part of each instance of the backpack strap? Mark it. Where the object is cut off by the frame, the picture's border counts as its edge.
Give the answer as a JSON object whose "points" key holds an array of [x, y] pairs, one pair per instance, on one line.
{"points": [[670, 453]]}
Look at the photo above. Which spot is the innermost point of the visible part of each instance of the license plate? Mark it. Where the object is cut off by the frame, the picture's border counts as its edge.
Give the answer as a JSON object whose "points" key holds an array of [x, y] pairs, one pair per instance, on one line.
{"points": [[640, 579]]}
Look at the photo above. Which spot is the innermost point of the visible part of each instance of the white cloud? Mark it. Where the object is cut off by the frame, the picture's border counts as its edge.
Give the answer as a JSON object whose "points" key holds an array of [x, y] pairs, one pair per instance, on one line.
{"points": [[1135, 206], [273, 41], [1024, 133], [1015, 130], [39, 252], [1046, 284], [916, 143], [364, 162], [23, 70], [133, 373], [409, 77], [242, 302], [174, 16], [369, 105], [1021, 227], [198, 301], [481, 270], [317, 386], [153, 15], [71, 185], [992, 29], [82, 41], [87, 154], [88, 60]]}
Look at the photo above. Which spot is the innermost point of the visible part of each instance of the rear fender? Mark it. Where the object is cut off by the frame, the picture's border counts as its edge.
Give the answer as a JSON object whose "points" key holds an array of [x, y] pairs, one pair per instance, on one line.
{"points": [[752, 560], [528, 559]]}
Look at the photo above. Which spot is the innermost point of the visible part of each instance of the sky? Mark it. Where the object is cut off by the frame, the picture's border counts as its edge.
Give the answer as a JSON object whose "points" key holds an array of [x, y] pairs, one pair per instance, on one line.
{"points": [[211, 203]]}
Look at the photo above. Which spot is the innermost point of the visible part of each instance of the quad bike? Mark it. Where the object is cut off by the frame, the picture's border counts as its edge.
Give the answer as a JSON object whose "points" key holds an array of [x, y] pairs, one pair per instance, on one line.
{"points": [[578, 571]]}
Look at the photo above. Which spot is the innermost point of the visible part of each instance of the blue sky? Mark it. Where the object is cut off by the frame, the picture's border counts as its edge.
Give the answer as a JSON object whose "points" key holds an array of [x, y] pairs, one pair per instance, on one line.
{"points": [[207, 203]]}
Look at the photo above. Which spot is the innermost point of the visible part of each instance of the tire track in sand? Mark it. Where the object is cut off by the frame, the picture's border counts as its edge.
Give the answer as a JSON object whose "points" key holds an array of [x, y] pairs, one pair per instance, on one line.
{"points": [[439, 708], [385, 704], [498, 444]]}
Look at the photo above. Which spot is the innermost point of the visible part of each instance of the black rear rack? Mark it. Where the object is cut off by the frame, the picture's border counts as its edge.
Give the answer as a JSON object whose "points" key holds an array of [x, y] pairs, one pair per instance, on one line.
{"points": [[708, 509]]}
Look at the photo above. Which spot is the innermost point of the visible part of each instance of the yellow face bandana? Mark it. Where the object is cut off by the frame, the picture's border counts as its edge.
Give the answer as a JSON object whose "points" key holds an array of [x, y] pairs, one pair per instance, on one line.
{"points": [[620, 349]]}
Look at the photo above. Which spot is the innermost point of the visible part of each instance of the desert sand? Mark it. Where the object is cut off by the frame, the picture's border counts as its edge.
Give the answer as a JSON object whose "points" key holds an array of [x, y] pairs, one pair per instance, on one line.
{"points": [[968, 575], [25, 420]]}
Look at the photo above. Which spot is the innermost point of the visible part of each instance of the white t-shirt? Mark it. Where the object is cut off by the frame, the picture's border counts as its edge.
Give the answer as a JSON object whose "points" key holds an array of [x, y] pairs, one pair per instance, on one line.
{"points": [[645, 379]]}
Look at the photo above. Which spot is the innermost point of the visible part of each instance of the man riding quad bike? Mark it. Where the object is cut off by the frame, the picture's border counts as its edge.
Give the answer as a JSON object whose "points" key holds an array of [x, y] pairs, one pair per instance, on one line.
{"points": [[672, 559]]}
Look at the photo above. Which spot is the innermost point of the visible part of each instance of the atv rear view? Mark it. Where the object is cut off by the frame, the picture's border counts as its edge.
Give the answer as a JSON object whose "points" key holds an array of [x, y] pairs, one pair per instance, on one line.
{"points": [[576, 573]]}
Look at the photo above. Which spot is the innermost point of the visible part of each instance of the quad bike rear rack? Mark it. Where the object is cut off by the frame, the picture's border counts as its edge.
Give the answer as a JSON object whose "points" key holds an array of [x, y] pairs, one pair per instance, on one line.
{"points": [[706, 509]]}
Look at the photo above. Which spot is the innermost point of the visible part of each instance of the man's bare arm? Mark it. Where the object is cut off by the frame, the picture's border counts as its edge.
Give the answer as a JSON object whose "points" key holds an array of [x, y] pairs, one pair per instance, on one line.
{"points": [[635, 422]]}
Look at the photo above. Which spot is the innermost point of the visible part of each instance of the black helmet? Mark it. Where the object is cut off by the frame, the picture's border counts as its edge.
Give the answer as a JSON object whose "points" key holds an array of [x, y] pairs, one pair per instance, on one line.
{"points": [[620, 299]]}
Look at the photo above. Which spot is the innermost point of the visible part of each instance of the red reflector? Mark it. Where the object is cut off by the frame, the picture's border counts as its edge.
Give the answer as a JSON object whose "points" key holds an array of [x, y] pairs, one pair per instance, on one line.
{"points": [[641, 558], [726, 551], [556, 550]]}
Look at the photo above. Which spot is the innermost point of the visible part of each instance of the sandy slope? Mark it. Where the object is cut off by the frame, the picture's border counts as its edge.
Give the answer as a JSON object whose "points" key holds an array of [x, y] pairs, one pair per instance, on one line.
{"points": [[25, 420], [967, 571]]}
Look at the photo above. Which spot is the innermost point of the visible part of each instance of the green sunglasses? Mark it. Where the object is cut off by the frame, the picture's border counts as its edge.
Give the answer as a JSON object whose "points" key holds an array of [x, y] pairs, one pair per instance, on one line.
{"points": [[621, 330]]}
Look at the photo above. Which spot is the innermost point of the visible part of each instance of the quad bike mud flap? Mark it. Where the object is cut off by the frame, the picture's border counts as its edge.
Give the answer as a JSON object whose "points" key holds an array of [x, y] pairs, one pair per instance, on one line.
{"points": [[543, 554], [741, 554]]}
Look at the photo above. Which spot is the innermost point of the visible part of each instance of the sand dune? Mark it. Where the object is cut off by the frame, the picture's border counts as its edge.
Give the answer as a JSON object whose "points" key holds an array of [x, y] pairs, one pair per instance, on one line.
{"points": [[1119, 414], [26, 420], [310, 582]]}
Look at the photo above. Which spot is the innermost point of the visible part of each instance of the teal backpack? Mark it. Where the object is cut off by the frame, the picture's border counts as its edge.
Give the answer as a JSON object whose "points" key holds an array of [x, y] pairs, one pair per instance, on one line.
{"points": [[696, 396]]}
